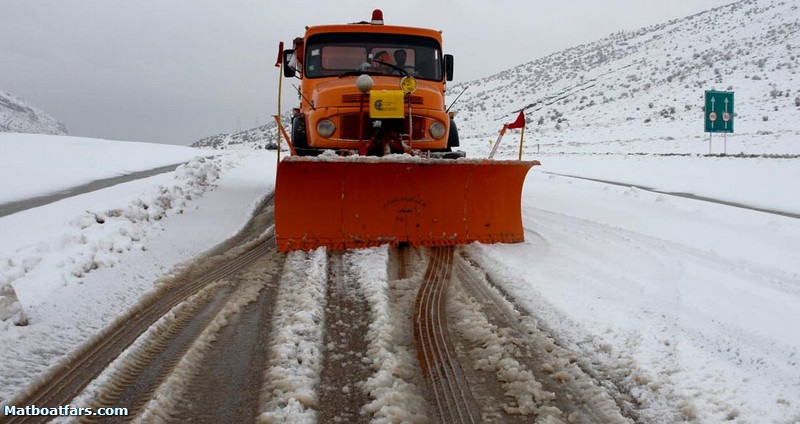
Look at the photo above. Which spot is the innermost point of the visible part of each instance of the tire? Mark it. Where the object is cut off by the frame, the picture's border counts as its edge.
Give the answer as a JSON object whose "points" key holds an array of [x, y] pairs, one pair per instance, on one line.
{"points": [[452, 138], [299, 138]]}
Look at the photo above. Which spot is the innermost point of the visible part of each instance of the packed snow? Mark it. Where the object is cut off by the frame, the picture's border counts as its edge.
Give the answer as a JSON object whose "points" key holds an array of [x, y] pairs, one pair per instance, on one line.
{"points": [[692, 304], [289, 381], [392, 386]]}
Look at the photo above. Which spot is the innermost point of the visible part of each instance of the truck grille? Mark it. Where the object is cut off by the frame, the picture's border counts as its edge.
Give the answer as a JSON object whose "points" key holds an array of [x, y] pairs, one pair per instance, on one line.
{"points": [[349, 127], [356, 98]]}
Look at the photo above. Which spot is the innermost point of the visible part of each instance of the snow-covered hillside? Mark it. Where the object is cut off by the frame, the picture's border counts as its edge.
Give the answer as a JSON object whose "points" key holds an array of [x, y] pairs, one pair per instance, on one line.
{"points": [[254, 138], [16, 115], [634, 85]]}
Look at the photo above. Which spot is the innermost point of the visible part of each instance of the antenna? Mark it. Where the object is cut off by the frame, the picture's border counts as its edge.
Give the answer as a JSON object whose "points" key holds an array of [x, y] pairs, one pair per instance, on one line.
{"points": [[300, 93], [457, 97]]}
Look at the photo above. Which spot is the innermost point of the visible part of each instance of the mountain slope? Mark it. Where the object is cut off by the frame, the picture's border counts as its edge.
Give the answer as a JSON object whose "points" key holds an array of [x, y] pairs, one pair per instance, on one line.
{"points": [[255, 138], [631, 84], [16, 115]]}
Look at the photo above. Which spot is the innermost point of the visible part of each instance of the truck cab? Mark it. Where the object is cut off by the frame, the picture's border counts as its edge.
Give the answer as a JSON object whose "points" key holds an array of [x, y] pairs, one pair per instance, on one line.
{"points": [[371, 89]]}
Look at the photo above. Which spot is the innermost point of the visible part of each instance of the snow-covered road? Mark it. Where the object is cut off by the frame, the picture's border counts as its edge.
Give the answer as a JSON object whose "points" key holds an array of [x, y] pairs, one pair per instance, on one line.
{"points": [[690, 306], [693, 306]]}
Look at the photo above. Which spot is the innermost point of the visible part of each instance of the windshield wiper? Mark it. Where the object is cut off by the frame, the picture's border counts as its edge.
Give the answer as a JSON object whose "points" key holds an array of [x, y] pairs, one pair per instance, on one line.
{"points": [[358, 72], [369, 71], [403, 72]]}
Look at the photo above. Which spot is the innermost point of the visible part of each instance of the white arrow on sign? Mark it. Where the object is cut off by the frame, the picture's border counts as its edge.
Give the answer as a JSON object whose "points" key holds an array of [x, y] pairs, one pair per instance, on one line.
{"points": [[726, 113], [713, 110]]}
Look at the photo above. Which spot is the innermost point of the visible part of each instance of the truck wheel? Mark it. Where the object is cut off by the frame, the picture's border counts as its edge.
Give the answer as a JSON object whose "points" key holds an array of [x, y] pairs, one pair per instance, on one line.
{"points": [[299, 133], [452, 139]]}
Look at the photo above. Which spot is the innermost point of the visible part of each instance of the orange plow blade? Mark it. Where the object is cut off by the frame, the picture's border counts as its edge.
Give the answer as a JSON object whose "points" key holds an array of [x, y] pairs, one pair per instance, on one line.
{"points": [[344, 204]]}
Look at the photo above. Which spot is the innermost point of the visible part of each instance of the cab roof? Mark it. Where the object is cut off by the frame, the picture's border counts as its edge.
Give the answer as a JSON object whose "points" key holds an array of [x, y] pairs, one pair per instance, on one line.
{"points": [[373, 29]]}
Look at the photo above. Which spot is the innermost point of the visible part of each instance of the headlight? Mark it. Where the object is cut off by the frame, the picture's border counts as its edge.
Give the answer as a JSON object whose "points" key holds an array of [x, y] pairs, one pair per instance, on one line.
{"points": [[325, 128], [364, 83], [437, 129]]}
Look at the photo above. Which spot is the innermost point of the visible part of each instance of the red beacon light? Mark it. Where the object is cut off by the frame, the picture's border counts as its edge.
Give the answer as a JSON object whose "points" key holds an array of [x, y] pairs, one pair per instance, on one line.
{"points": [[377, 17]]}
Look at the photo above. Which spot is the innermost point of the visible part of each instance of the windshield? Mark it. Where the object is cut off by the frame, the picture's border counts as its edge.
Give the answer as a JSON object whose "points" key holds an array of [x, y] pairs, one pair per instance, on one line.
{"points": [[346, 53]]}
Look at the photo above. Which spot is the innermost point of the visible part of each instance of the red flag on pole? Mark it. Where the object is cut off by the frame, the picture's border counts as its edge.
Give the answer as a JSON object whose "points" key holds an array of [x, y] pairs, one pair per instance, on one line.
{"points": [[519, 123], [280, 55]]}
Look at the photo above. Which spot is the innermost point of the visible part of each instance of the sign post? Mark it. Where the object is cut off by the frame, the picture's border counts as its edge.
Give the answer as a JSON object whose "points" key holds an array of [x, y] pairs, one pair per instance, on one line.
{"points": [[719, 115]]}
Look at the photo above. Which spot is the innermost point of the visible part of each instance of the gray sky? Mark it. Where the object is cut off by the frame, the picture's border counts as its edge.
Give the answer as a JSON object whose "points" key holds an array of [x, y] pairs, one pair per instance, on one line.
{"points": [[174, 71]]}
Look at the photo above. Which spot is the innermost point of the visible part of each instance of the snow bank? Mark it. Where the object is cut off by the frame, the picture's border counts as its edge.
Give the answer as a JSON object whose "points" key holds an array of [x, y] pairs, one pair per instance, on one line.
{"points": [[97, 238], [71, 314], [332, 156]]}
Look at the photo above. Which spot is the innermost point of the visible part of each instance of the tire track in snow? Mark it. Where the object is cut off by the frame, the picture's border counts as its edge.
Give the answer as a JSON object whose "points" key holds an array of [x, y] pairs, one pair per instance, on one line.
{"points": [[538, 377], [229, 355], [449, 393], [152, 376], [345, 368]]}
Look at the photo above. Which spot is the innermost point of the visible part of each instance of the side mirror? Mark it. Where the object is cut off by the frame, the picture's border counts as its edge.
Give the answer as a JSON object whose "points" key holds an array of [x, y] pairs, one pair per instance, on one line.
{"points": [[448, 67], [288, 69]]}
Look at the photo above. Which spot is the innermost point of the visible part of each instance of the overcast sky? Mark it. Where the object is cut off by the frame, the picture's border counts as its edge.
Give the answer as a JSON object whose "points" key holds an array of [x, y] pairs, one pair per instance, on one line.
{"points": [[174, 71]]}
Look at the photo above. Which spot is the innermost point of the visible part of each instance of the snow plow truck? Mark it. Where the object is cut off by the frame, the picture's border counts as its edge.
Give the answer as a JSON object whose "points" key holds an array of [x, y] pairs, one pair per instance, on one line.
{"points": [[374, 148]]}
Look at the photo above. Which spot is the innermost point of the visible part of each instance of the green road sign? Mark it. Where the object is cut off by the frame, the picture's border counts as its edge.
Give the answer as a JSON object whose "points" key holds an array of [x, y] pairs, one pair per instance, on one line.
{"points": [[719, 111]]}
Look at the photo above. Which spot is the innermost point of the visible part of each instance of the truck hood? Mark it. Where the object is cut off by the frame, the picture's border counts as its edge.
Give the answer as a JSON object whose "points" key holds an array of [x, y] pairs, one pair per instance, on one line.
{"points": [[330, 93]]}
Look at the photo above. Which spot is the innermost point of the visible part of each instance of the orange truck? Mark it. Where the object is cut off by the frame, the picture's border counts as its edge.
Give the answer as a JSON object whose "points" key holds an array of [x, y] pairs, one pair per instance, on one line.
{"points": [[373, 97], [371, 88]]}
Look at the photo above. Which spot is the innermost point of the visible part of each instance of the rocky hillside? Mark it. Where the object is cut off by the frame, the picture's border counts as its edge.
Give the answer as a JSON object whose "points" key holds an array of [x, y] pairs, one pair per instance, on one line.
{"points": [[651, 82], [644, 84], [255, 138], [16, 115]]}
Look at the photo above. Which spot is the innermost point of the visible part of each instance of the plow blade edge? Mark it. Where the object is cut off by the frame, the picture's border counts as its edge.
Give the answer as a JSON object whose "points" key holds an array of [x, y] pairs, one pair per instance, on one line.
{"points": [[350, 204]]}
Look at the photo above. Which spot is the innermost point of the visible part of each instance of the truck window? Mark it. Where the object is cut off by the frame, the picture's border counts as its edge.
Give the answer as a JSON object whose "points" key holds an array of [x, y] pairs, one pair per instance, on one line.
{"points": [[332, 54], [343, 57]]}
